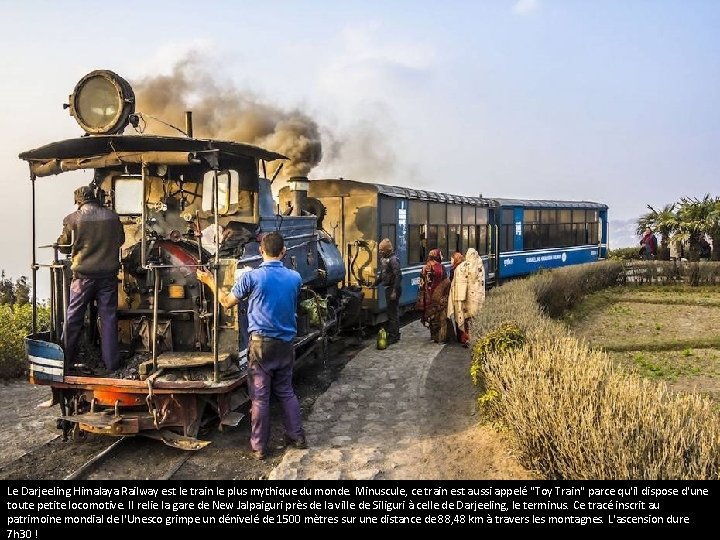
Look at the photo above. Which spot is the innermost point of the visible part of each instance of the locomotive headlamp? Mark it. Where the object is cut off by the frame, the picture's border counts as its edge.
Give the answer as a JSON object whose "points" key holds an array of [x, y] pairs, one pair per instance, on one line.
{"points": [[102, 103]]}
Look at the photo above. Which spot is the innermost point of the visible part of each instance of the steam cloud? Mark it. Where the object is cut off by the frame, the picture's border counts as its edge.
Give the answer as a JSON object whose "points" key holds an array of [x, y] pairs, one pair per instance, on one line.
{"points": [[225, 113]]}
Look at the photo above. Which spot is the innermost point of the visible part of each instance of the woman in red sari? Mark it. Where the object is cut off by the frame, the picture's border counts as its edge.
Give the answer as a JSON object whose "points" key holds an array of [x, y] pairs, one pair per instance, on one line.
{"points": [[436, 287], [431, 276]]}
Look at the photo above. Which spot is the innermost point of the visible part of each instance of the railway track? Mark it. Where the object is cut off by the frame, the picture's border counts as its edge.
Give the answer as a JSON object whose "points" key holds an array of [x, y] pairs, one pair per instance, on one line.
{"points": [[122, 455]]}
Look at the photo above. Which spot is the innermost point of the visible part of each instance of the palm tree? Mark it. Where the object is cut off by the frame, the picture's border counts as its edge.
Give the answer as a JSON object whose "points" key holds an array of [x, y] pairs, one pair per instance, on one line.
{"points": [[664, 222], [698, 217]]}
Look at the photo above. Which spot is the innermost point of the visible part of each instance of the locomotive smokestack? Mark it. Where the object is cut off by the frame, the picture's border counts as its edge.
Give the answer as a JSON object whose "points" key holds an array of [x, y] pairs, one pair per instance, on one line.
{"points": [[298, 187], [188, 124]]}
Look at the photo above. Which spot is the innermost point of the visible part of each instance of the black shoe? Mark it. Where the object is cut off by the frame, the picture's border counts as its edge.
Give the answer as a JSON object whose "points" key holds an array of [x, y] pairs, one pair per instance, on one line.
{"points": [[300, 444]]}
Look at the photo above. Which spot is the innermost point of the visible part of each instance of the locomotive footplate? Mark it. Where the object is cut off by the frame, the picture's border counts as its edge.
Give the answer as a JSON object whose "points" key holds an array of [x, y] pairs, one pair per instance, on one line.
{"points": [[184, 360]]}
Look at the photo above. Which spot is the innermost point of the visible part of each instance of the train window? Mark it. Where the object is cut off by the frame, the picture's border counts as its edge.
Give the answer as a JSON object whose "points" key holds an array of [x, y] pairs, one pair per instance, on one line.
{"points": [[578, 234], [483, 240], [553, 236], [508, 216], [128, 195], [578, 216], [566, 234], [564, 216], [468, 238], [227, 190], [454, 214], [388, 213], [432, 237], [442, 242], [591, 216], [417, 212], [531, 236], [437, 238], [548, 216], [388, 231], [468, 215], [482, 216], [416, 244], [437, 214], [531, 216], [594, 233], [454, 239]]}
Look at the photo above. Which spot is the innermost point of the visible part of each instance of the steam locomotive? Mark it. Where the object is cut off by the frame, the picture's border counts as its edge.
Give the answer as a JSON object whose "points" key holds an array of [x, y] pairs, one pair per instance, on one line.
{"points": [[188, 203]]}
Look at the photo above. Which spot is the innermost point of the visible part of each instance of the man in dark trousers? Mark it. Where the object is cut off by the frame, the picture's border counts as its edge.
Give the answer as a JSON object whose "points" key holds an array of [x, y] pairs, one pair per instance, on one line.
{"points": [[93, 236], [391, 278], [272, 291]]}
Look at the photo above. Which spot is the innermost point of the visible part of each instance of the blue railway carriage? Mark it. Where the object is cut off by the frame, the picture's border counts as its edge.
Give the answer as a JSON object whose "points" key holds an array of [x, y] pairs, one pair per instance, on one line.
{"points": [[357, 215], [514, 237], [542, 234]]}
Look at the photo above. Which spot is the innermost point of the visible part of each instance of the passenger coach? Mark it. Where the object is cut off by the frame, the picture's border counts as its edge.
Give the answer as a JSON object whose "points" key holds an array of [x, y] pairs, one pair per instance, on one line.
{"points": [[514, 237], [535, 235]]}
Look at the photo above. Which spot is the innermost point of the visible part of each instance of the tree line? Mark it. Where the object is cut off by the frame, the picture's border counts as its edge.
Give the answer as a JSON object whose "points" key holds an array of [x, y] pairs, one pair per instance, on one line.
{"points": [[14, 293], [686, 222]]}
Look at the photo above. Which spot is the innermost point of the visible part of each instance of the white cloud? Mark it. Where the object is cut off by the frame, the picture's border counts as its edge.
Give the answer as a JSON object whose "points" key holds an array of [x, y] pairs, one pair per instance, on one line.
{"points": [[164, 59], [523, 7], [369, 66]]}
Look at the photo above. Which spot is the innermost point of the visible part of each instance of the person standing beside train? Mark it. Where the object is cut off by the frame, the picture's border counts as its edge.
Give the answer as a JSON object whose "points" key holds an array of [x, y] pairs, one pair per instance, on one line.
{"points": [[435, 315], [272, 291], [391, 278], [467, 293], [93, 236], [431, 275]]}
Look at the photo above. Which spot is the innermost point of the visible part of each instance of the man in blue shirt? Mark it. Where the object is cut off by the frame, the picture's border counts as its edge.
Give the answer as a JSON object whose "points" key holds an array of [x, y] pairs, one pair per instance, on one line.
{"points": [[272, 291]]}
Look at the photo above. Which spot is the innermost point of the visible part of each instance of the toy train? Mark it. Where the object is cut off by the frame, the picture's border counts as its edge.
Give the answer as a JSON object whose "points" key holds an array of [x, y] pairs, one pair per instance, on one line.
{"points": [[187, 203]]}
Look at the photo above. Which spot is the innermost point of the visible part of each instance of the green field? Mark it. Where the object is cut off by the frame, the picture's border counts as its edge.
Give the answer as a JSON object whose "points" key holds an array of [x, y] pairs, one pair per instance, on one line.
{"points": [[667, 333]]}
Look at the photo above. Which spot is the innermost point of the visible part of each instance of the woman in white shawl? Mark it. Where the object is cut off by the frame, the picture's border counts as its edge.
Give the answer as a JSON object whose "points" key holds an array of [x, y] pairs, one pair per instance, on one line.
{"points": [[467, 293]]}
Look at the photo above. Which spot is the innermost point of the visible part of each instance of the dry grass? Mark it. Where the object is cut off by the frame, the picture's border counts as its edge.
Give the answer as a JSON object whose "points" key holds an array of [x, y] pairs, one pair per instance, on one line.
{"points": [[572, 413]]}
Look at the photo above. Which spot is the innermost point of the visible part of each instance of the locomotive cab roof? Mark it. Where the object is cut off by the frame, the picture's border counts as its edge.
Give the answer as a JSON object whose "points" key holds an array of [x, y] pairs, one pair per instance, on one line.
{"points": [[101, 151]]}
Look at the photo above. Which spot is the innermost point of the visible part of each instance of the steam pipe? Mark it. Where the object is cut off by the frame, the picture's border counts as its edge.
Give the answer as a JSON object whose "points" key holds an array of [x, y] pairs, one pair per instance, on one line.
{"points": [[143, 240], [277, 171], [188, 124], [155, 318]]}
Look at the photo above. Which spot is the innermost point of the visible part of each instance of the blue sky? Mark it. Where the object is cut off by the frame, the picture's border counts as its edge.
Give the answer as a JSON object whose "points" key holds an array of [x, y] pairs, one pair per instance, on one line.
{"points": [[611, 101]]}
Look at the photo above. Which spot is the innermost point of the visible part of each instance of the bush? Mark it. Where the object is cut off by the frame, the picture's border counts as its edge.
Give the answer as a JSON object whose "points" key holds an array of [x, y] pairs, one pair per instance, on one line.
{"points": [[576, 418], [507, 336], [570, 414], [559, 290], [15, 325], [624, 254]]}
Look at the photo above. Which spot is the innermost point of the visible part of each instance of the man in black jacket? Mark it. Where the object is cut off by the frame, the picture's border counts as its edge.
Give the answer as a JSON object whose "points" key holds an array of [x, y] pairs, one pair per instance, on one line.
{"points": [[391, 278], [93, 235]]}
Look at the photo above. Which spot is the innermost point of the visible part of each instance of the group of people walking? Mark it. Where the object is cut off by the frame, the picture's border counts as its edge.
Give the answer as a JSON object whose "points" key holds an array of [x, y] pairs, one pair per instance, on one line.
{"points": [[450, 299]]}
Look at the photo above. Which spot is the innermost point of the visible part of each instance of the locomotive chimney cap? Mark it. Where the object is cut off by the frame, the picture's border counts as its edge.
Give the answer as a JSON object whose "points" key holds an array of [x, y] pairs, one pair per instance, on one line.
{"points": [[299, 183]]}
